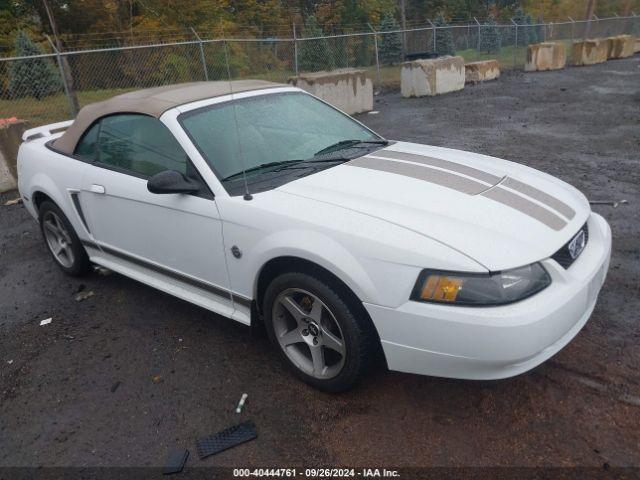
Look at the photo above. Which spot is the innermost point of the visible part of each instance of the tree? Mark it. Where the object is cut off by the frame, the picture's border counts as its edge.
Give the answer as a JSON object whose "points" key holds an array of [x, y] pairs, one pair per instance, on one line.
{"points": [[490, 40], [390, 49], [527, 34], [444, 37], [68, 79], [314, 54], [36, 77], [532, 33]]}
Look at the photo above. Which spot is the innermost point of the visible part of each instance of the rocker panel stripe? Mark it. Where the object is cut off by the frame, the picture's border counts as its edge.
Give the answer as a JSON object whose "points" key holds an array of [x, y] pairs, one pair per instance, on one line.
{"points": [[220, 292]]}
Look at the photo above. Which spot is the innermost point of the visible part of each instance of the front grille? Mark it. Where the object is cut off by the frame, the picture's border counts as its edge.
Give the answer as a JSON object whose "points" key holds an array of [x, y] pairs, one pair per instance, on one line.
{"points": [[563, 257]]}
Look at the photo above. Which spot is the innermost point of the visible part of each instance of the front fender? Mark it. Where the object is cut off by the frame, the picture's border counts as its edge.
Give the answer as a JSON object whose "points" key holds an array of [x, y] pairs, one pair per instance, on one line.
{"points": [[307, 245]]}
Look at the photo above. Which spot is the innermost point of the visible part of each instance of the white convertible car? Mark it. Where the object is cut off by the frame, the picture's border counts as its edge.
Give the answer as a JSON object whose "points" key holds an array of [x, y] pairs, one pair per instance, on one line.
{"points": [[262, 203]]}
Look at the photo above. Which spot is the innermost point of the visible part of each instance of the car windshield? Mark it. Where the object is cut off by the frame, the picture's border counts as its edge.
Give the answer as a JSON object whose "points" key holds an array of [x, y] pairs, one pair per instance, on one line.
{"points": [[263, 134]]}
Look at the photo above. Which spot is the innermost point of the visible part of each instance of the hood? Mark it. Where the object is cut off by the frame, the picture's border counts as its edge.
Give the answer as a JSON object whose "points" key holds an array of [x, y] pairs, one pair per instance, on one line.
{"points": [[501, 214]]}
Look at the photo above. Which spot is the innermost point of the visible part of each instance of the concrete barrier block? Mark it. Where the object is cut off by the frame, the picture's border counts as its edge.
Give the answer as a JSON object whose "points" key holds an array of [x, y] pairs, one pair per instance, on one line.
{"points": [[432, 77], [348, 89], [10, 139], [620, 46], [545, 56], [481, 71], [589, 52]]}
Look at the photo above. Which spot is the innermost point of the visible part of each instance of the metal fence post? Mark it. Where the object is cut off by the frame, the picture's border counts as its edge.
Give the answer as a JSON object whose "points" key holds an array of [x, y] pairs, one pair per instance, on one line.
{"points": [[375, 47], [435, 48], [478, 50], [515, 44], [572, 29], [202, 57], [63, 77], [295, 49], [468, 34]]}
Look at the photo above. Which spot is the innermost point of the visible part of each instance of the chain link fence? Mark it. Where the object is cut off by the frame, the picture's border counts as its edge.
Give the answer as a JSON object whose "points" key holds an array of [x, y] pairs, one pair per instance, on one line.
{"points": [[51, 87]]}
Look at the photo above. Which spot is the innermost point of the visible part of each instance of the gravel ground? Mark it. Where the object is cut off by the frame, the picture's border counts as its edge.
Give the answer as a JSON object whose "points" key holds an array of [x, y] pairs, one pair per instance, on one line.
{"points": [[126, 375]]}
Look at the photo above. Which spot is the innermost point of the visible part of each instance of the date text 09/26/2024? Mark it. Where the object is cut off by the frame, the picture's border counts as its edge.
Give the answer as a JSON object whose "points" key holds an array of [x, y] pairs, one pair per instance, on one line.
{"points": [[316, 472]]}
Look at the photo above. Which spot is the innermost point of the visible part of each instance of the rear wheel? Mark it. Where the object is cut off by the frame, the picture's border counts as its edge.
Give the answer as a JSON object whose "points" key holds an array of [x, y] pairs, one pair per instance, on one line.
{"points": [[62, 241], [318, 332]]}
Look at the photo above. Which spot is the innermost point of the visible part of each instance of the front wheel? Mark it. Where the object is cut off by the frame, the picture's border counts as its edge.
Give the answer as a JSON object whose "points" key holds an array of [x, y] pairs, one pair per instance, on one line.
{"points": [[317, 331]]}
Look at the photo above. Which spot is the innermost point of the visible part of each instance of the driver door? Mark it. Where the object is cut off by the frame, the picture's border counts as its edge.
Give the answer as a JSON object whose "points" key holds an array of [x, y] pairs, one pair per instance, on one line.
{"points": [[171, 241]]}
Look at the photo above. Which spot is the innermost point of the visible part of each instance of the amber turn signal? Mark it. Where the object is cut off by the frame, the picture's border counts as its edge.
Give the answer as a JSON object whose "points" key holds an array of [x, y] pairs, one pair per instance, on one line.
{"points": [[441, 288]]}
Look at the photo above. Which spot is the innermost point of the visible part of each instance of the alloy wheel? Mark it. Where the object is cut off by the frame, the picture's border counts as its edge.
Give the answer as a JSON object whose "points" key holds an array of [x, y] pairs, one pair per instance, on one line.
{"points": [[58, 239], [309, 333]]}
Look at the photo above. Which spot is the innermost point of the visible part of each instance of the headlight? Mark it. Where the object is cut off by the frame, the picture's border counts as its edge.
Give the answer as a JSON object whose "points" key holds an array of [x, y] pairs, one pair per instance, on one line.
{"points": [[478, 289]]}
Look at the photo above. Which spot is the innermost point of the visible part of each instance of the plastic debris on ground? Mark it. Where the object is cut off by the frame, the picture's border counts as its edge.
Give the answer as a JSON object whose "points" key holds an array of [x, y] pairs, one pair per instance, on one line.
{"points": [[175, 462], [46, 321], [15, 201], [228, 438], [84, 295], [102, 271], [241, 403], [611, 203]]}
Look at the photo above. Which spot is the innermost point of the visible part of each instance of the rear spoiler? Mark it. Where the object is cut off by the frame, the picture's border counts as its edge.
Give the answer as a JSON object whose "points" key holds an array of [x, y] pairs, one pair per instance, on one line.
{"points": [[45, 130]]}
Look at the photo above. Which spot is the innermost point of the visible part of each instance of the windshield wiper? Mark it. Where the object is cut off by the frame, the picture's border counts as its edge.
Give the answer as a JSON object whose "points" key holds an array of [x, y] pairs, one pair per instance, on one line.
{"points": [[302, 164], [285, 164], [350, 143], [260, 167]]}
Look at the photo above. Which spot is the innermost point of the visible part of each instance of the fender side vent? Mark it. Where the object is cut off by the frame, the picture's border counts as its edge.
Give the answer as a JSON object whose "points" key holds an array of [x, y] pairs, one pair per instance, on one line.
{"points": [[76, 204]]}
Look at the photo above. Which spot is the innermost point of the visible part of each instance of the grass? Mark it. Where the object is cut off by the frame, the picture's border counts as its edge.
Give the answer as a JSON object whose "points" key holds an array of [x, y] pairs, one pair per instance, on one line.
{"points": [[56, 108], [51, 109]]}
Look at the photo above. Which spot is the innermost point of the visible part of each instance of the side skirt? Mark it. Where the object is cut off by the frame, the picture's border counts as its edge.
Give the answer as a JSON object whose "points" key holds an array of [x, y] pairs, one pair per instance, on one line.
{"points": [[203, 294]]}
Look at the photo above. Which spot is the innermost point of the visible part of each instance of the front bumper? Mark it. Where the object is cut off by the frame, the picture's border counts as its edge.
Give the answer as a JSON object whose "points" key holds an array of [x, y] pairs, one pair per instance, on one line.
{"points": [[484, 343]]}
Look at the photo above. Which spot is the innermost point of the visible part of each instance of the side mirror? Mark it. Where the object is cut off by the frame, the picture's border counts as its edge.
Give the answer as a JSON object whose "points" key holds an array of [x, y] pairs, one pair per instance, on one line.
{"points": [[170, 181]]}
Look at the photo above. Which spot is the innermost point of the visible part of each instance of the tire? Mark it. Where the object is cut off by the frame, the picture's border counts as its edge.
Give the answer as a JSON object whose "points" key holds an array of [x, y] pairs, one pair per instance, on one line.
{"points": [[62, 241], [346, 341]]}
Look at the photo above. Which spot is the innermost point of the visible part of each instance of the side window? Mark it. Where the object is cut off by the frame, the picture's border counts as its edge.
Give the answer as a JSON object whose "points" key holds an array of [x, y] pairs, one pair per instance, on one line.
{"points": [[87, 146], [139, 144]]}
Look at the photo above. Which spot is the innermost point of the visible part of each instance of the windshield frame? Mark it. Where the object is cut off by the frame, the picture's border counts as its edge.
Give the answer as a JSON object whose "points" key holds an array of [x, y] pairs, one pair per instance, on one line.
{"points": [[213, 103]]}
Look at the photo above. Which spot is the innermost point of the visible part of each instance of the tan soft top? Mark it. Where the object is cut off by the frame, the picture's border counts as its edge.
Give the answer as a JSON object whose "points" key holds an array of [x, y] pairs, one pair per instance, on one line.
{"points": [[154, 102]]}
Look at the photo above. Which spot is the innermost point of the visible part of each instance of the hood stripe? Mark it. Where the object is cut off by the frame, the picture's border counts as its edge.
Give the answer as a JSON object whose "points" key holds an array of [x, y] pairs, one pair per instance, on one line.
{"points": [[525, 206], [509, 182], [540, 196], [432, 175], [463, 185], [438, 162]]}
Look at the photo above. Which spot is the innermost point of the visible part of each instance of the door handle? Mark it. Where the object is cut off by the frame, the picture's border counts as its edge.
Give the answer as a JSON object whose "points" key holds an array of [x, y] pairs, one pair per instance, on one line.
{"points": [[97, 189]]}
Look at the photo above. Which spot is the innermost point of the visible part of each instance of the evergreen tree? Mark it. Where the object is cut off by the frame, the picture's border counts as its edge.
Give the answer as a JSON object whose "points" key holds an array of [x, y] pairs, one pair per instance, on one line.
{"points": [[363, 51], [509, 37], [490, 40], [532, 34], [390, 44], [520, 17], [444, 37], [315, 55], [36, 77]]}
